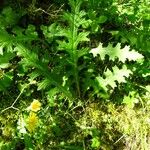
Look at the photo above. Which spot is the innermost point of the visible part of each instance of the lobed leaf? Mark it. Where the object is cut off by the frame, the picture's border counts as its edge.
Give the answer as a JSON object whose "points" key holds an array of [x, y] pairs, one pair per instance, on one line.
{"points": [[116, 52], [110, 79]]}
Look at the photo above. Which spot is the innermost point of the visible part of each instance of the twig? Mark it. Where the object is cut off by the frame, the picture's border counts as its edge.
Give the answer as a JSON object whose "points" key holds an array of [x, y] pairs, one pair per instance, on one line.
{"points": [[120, 139], [50, 14], [12, 106]]}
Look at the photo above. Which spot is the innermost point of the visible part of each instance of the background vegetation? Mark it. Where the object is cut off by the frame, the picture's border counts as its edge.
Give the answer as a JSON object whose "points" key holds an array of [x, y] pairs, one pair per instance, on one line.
{"points": [[75, 75]]}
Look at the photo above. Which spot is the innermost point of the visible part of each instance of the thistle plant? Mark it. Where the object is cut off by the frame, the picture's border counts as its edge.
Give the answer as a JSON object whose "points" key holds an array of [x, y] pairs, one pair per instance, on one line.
{"points": [[67, 37]]}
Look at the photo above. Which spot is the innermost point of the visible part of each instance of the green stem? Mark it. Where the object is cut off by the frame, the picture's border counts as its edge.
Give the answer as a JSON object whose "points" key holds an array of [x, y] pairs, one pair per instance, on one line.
{"points": [[75, 57]]}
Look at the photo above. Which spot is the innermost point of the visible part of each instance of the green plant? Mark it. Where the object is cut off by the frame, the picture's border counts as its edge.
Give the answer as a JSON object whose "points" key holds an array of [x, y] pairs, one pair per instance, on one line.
{"points": [[56, 62], [68, 54]]}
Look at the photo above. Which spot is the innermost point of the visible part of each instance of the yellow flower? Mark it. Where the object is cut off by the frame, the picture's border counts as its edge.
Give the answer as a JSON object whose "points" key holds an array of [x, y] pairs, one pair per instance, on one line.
{"points": [[32, 122], [35, 106]]}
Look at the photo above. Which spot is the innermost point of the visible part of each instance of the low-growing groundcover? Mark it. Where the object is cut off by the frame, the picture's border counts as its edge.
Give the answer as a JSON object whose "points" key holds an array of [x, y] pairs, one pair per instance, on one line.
{"points": [[75, 75]]}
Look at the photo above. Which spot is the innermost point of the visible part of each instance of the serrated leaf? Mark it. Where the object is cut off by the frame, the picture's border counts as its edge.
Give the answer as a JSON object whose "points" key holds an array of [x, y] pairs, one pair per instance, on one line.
{"points": [[130, 99], [118, 75], [5, 58], [86, 23], [75, 19], [33, 75], [82, 37], [43, 84], [31, 32], [5, 81], [82, 52], [52, 31], [6, 41], [1, 50], [101, 83], [63, 45], [116, 52]]}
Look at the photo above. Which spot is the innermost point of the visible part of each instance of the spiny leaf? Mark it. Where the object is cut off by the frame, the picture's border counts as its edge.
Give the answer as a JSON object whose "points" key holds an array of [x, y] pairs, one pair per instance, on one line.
{"points": [[52, 31], [5, 81], [33, 61], [82, 52], [116, 52], [111, 77], [6, 41], [5, 58], [33, 75], [131, 99], [82, 37], [42, 85], [75, 5]]}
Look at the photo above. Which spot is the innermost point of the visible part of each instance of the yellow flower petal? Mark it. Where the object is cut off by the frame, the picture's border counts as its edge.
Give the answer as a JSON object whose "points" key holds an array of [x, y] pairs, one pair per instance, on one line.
{"points": [[32, 122], [35, 106]]}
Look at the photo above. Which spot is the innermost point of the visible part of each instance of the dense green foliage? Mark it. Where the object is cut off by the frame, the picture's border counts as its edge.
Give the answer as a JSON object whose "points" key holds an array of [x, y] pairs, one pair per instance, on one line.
{"points": [[75, 75]]}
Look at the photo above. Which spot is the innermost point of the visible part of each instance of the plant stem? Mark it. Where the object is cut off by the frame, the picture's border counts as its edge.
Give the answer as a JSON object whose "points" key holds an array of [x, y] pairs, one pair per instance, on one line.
{"points": [[75, 57]]}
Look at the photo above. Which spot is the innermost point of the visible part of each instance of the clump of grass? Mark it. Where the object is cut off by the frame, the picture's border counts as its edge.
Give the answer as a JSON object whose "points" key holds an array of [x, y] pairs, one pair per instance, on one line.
{"points": [[119, 127]]}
